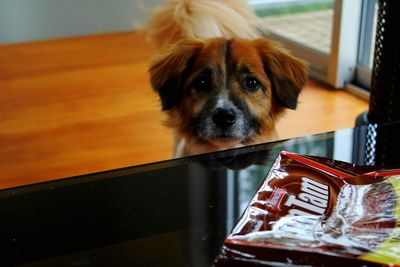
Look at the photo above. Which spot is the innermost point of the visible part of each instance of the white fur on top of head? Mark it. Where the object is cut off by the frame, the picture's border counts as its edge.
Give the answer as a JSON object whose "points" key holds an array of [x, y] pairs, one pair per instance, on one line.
{"points": [[204, 19]]}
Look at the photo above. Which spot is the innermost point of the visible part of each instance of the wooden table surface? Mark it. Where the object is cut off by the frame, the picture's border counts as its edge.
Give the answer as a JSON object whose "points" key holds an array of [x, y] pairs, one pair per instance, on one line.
{"points": [[80, 105]]}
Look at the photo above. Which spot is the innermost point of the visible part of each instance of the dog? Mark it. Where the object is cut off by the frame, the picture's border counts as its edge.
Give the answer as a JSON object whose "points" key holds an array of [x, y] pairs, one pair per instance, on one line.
{"points": [[221, 83]]}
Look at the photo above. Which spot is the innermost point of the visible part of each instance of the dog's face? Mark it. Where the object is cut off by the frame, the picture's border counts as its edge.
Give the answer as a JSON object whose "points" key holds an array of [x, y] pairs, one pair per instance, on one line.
{"points": [[226, 93]]}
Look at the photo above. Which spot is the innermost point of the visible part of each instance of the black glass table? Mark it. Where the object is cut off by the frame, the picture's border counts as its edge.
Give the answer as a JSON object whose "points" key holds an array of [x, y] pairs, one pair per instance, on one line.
{"points": [[171, 213]]}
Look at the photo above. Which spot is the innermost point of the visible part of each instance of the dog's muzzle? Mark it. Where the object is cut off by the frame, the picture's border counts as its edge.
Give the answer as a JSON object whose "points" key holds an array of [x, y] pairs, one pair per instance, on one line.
{"points": [[222, 121]]}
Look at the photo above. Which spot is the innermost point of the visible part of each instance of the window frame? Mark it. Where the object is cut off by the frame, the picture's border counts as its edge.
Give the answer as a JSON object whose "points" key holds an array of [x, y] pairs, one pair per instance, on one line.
{"points": [[364, 66]]}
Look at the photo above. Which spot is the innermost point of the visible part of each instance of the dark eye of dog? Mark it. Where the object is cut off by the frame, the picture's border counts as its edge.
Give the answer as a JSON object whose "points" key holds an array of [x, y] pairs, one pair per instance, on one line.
{"points": [[251, 84], [201, 83]]}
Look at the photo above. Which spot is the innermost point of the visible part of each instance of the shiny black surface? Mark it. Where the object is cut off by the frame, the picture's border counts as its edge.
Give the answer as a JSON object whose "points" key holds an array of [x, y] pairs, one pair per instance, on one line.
{"points": [[172, 213]]}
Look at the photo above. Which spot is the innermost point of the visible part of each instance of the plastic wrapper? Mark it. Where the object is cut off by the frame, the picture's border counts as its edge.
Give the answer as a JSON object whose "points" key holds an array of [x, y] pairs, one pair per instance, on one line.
{"points": [[313, 211]]}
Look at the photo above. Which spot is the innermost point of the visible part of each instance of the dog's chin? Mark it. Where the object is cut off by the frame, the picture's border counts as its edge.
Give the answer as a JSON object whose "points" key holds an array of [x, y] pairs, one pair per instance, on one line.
{"points": [[225, 142]]}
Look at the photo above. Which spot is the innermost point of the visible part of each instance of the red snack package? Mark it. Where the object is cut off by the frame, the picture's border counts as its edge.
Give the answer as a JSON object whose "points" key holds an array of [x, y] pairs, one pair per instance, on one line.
{"points": [[312, 211]]}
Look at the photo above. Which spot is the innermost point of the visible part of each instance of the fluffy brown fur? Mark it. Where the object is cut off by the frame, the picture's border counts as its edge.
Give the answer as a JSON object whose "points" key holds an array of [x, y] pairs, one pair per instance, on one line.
{"points": [[219, 83], [202, 19]]}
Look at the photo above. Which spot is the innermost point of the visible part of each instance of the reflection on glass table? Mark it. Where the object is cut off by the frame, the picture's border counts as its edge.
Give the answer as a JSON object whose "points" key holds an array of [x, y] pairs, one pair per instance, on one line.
{"points": [[172, 213]]}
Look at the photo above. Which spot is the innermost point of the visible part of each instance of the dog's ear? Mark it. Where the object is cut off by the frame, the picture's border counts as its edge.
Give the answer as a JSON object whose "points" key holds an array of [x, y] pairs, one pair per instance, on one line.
{"points": [[168, 68], [287, 73]]}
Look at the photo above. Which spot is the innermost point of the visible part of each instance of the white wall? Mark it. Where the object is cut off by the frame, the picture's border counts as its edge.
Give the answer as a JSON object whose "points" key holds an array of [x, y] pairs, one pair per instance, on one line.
{"points": [[31, 20]]}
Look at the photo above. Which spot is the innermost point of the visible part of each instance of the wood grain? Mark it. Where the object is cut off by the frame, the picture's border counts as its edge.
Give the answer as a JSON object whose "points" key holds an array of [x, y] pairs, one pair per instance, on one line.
{"points": [[80, 105]]}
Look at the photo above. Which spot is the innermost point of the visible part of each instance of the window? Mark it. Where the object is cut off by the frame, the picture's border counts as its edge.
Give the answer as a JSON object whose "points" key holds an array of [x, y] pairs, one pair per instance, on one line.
{"points": [[307, 23], [334, 36], [304, 26]]}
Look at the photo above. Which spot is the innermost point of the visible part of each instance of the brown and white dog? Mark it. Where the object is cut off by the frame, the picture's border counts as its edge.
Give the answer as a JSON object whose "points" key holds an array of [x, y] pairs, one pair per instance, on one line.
{"points": [[220, 82]]}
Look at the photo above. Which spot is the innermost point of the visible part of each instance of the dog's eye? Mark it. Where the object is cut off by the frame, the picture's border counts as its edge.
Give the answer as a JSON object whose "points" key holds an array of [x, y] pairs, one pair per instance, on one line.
{"points": [[201, 84], [251, 84]]}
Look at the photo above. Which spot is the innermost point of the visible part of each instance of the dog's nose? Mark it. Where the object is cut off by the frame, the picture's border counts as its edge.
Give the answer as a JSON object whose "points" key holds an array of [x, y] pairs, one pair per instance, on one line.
{"points": [[224, 118]]}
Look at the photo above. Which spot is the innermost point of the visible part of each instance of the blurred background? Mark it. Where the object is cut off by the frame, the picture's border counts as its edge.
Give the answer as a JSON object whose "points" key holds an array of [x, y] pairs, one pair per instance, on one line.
{"points": [[74, 90]]}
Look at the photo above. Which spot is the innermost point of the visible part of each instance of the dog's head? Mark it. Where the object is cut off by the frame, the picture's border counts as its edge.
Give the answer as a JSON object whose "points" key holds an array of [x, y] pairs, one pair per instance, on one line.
{"points": [[226, 92]]}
